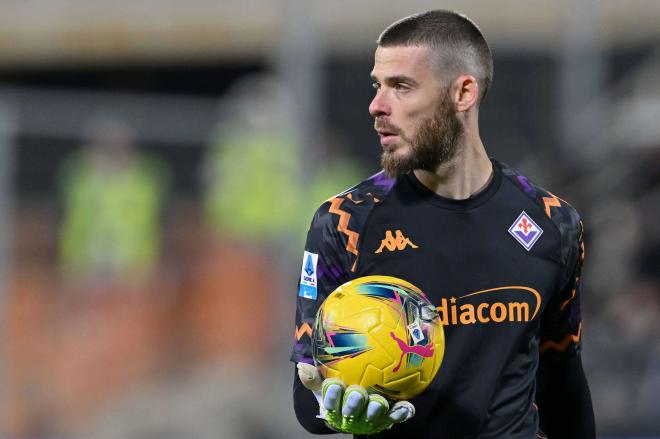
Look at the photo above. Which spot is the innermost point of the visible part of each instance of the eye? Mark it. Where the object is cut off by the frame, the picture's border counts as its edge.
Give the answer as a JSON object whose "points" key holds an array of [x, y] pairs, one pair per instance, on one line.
{"points": [[375, 85], [400, 86]]}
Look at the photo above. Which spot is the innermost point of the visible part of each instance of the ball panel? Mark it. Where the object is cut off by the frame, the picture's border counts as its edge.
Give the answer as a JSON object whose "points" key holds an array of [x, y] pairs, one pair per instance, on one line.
{"points": [[372, 376], [406, 387]]}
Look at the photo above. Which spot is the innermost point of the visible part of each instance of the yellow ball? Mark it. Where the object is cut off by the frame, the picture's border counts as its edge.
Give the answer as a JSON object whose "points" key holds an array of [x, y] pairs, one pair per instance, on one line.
{"points": [[382, 333]]}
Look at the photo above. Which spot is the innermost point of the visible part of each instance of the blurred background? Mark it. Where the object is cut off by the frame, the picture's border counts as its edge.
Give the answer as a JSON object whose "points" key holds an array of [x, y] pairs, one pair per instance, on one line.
{"points": [[160, 162]]}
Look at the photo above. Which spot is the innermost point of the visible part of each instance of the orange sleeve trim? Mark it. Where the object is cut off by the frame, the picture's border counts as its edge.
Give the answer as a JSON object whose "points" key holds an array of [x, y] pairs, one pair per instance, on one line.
{"points": [[351, 245], [582, 252], [551, 201], [563, 344], [567, 301], [302, 330], [350, 197]]}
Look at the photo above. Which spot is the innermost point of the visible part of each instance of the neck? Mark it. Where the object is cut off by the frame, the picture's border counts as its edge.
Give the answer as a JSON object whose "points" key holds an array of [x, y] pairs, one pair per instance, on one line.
{"points": [[465, 175]]}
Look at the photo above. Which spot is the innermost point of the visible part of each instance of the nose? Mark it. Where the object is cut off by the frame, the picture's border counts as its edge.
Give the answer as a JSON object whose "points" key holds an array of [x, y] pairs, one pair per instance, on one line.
{"points": [[379, 106]]}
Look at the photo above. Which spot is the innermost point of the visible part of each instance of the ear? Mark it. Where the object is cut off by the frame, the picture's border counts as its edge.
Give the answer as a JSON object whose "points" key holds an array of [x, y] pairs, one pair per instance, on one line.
{"points": [[466, 93]]}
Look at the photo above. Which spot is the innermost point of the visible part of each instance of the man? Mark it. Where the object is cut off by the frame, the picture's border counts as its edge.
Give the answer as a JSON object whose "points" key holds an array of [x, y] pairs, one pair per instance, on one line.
{"points": [[499, 256]]}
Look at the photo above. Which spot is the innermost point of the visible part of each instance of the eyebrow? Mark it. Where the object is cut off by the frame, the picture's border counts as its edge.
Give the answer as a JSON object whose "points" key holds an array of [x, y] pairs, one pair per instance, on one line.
{"points": [[395, 78]]}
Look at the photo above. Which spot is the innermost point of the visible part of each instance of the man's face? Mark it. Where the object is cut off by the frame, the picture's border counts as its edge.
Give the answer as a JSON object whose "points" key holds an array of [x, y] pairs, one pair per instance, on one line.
{"points": [[414, 115]]}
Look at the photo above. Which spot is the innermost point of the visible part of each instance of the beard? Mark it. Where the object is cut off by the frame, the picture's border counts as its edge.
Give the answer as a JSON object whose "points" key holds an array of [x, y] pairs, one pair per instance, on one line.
{"points": [[434, 143]]}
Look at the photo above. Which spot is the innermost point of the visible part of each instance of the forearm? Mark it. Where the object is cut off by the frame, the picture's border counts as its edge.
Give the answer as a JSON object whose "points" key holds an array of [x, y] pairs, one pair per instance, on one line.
{"points": [[307, 408], [563, 399]]}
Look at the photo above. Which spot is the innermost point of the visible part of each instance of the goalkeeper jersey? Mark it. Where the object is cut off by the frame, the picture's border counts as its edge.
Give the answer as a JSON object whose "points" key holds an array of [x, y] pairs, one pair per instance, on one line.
{"points": [[502, 268]]}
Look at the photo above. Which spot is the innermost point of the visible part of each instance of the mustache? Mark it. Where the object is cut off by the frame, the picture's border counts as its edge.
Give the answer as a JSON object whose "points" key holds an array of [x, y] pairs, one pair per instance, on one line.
{"points": [[383, 125]]}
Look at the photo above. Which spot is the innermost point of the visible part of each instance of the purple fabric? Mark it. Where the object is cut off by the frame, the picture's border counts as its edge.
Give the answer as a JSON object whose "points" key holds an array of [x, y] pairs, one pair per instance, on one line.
{"points": [[525, 184], [335, 272], [381, 179]]}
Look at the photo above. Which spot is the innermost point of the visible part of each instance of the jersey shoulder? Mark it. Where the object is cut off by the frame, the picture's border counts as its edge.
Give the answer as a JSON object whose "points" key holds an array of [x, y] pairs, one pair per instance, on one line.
{"points": [[359, 199], [560, 213], [342, 217]]}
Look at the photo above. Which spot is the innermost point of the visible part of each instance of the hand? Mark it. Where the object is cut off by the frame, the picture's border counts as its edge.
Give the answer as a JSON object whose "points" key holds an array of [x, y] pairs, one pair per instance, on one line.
{"points": [[352, 410]]}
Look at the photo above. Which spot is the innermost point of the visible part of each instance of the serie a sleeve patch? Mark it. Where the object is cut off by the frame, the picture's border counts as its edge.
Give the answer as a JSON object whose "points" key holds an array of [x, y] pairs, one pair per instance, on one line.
{"points": [[308, 277]]}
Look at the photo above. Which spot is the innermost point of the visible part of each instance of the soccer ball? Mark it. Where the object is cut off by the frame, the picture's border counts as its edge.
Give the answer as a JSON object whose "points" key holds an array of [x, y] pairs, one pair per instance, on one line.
{"points": [[380, 332]]}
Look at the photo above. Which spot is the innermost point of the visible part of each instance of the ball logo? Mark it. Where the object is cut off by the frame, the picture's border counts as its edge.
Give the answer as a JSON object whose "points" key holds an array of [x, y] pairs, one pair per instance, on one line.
{"points": [[416, 332], [425, 351]]}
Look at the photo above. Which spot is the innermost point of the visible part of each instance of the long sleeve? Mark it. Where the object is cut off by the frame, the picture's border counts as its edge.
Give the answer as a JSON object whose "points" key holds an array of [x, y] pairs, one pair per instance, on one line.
{"points": [[564, 400], [562, 391], [325, 266]]}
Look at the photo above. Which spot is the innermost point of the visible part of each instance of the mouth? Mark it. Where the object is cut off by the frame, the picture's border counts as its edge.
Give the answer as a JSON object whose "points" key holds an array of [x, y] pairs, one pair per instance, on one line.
{"points": [[386, 137]]}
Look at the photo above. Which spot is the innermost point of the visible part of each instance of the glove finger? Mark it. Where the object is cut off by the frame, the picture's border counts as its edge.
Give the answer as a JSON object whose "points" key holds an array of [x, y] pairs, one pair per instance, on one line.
{"points": [[401, 411], [355, 400], [309, 376], [332, 390], [376, 408]]}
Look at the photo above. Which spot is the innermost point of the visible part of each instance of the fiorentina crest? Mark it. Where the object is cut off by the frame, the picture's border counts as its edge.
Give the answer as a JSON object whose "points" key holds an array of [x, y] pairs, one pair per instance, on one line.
{"points": [[526, 231]]}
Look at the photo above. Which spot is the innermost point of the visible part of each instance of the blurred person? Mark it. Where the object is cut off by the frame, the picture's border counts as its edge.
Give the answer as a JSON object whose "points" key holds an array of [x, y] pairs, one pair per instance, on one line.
{"points": [[465, 225], [77, 351], [113, 196], [252, 157], [250, 173], [250, 188]]}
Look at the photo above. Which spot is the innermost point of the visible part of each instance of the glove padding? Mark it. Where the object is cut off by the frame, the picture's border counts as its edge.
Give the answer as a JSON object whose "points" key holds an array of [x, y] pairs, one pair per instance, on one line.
{"points": [[352, 410]]}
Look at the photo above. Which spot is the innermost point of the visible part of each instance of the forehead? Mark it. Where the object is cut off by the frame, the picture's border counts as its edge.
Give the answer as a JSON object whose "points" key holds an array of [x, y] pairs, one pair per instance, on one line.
{"points": [[412, 61]]}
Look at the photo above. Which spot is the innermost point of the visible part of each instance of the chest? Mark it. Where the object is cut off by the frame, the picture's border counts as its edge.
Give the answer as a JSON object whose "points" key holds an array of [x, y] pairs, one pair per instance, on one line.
{"points": [[468, 263]]}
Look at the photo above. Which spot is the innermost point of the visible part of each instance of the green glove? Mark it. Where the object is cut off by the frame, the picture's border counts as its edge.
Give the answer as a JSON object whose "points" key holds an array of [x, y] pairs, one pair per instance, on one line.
{"points": [[352, 410]]}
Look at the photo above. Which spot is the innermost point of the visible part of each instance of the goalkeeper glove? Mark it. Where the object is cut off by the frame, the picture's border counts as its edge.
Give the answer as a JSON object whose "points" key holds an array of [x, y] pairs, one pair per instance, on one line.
{"points": [[352, 410]]}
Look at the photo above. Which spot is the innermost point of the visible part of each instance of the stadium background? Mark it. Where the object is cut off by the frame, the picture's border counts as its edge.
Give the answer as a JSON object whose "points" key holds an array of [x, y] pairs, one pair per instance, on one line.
{"points": [[160, 161]]}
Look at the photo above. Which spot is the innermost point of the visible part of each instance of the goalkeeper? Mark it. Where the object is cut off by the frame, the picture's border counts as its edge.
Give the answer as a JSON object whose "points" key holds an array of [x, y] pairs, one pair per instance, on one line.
{"points": [[499, 256]]}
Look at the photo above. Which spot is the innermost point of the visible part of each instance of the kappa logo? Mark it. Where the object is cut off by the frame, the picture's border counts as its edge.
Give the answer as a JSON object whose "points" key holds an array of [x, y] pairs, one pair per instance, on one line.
{"points": [[395, 242]]}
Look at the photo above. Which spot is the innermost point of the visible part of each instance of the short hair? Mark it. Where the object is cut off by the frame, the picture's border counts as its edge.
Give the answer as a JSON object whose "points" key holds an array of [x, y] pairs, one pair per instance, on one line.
{"points": [[457, 44]]}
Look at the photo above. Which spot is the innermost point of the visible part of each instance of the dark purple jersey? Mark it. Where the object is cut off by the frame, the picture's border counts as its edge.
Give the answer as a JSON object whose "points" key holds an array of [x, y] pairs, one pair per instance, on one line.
{"points": [[503, 270]]}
